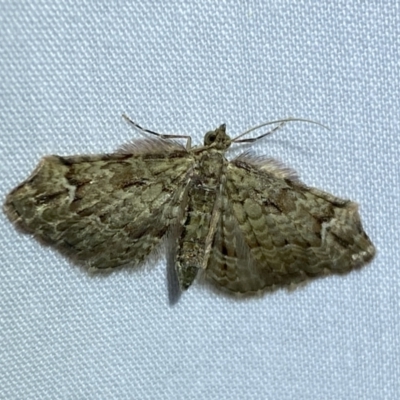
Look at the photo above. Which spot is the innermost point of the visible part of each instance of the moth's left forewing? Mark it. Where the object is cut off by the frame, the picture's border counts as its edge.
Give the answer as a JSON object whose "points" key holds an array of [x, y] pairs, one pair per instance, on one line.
{"points": [[290, 231]]}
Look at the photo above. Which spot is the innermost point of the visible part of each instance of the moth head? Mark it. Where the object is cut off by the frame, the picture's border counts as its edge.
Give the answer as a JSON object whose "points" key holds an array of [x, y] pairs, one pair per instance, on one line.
{"points": [[218, 138]]}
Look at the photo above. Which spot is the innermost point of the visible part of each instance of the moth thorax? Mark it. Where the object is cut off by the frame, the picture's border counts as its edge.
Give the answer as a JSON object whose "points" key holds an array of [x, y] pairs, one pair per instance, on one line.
{"points": [[211, 164]]}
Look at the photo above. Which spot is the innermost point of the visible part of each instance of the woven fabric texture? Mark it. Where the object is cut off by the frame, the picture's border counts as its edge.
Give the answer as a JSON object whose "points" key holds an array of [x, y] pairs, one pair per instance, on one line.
{"points": [[68, 71]]}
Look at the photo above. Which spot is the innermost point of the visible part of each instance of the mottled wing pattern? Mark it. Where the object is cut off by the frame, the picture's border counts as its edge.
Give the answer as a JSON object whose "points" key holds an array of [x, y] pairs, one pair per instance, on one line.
{"points": [[105, 210], [275, 231], [231, 264]]}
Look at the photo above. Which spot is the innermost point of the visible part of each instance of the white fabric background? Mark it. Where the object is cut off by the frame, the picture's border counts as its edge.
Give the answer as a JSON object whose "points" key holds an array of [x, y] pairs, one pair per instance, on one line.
{"points": [[67, 73]]}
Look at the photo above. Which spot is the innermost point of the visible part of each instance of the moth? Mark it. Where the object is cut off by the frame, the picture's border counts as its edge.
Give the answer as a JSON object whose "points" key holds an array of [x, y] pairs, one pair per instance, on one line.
{"points": [[246, 225]]}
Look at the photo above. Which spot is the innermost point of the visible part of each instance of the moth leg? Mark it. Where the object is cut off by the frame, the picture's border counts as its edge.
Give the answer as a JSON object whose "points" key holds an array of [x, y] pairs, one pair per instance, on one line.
{"points": [[160, 135], [251, 140]]}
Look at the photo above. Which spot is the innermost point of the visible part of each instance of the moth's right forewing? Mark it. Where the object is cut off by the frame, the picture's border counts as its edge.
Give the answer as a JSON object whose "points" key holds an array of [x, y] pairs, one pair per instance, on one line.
{"points": [[104, 210]]}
